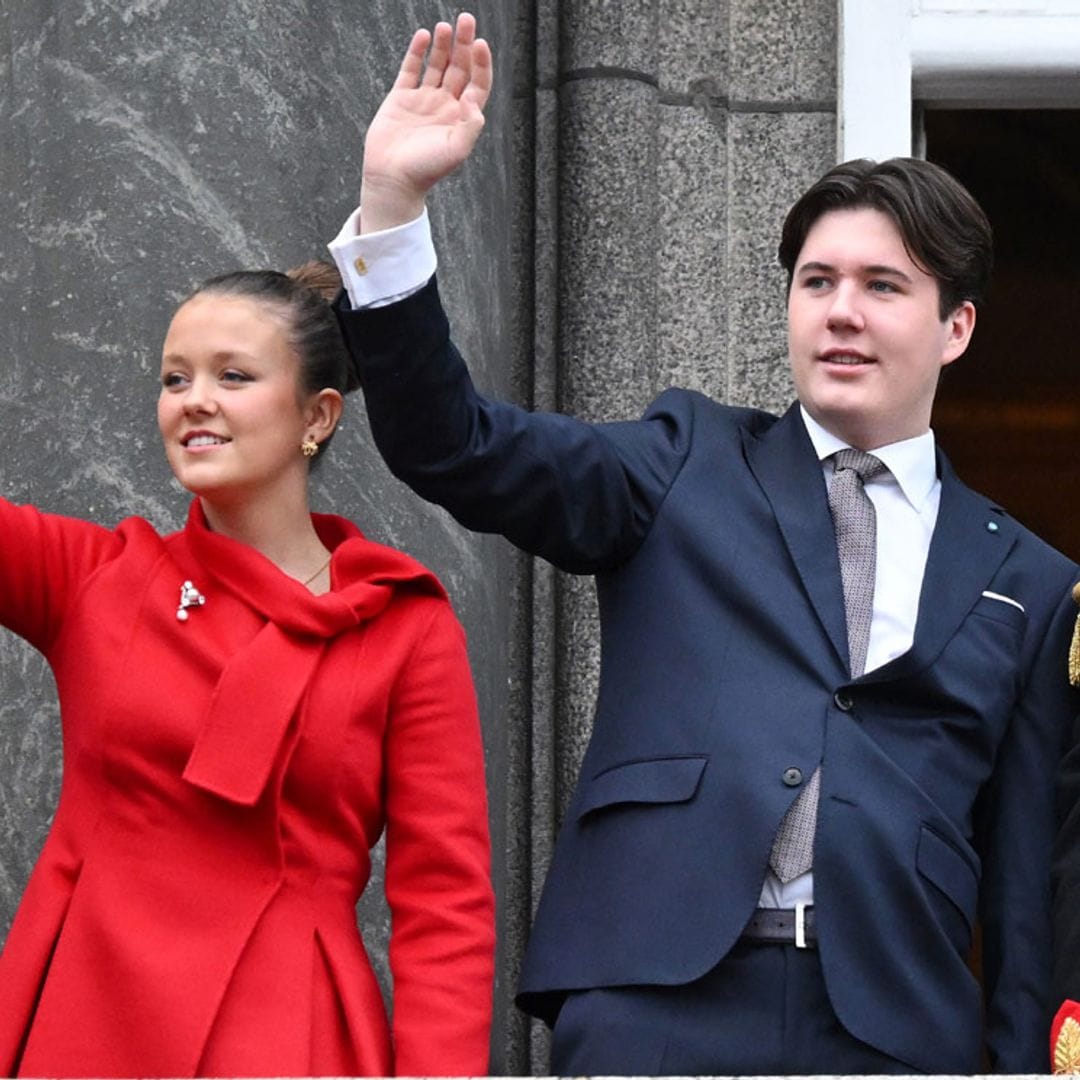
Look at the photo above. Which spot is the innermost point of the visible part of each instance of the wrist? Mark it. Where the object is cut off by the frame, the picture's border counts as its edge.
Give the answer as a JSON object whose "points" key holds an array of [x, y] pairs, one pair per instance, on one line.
{"points": [[386, 205]]}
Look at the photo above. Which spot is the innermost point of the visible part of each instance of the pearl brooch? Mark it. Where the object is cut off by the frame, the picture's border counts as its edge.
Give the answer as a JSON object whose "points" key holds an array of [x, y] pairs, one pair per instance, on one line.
{"points": [[189, 597]]}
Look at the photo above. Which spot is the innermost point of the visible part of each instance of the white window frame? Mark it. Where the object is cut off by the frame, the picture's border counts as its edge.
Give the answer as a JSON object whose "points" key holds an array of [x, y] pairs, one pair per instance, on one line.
{"points": [[895, 54]]}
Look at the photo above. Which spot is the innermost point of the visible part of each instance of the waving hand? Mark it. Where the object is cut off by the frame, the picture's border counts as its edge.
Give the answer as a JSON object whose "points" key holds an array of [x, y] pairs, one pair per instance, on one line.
{"points": [[427, 124]]}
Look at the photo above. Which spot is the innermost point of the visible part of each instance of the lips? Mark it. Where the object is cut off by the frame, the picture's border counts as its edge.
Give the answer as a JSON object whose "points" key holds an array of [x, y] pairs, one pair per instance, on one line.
{"points": [[845, 357]]}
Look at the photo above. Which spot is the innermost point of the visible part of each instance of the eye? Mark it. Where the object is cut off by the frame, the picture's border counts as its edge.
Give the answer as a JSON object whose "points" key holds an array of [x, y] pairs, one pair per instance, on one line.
{"points": [[879, 286], [816, 283], [232, 375], [170, 380]]}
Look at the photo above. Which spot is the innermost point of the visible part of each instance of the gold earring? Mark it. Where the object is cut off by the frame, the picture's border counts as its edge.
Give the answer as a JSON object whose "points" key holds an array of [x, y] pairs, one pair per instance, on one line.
{"points": [[309, 447]]}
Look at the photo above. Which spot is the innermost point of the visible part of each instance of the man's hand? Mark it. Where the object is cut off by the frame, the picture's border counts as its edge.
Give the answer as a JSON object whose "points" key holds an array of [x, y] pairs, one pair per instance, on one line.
{"points": [[427, 125]]}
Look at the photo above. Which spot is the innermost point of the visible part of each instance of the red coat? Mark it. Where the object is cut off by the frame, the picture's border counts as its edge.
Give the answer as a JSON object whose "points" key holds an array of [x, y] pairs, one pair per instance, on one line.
{"points": [[192, 912]]}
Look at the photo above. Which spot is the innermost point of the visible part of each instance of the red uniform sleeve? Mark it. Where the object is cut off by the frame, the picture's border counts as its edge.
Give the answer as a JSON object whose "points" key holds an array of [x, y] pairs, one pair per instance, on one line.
{"points": [[44, 560], [438, 880]]}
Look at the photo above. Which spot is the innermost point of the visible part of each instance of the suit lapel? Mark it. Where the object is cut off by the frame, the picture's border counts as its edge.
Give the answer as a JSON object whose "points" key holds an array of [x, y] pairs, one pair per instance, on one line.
{"points": [[784, 464], [972, 537]]}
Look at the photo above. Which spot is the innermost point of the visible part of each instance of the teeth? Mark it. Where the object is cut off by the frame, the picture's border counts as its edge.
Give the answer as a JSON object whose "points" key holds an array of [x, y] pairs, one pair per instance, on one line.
{"points": [[205, 440], [841, 359]]}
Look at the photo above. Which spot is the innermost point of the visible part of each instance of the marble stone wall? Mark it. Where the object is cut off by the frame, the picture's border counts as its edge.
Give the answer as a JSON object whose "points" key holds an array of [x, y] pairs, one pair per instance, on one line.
{"points": [[148, 144], [614, 235]]}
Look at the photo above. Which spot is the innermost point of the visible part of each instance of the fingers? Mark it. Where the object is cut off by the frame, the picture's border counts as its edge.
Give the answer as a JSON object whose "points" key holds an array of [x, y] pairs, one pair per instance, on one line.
{"points": [[439, 55], [480, 80], [408, 76], [456, 77], [457, 62]]}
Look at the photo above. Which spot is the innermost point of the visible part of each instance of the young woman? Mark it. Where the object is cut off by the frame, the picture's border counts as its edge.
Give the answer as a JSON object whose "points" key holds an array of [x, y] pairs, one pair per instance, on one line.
{"points": [[246, 705]]}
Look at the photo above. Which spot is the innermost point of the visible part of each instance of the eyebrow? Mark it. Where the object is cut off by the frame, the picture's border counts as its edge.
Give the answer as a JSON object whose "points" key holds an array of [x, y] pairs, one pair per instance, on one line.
{"points": [[875, 268], [222, 356]]}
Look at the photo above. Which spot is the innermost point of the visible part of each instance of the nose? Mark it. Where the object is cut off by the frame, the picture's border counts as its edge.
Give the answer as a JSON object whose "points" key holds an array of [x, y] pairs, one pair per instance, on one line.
{"points": [[845, 311], [199, 397]]}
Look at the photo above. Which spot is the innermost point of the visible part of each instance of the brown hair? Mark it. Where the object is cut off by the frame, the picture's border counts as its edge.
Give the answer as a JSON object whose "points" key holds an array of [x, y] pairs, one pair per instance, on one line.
{"points": [[943, 228]]}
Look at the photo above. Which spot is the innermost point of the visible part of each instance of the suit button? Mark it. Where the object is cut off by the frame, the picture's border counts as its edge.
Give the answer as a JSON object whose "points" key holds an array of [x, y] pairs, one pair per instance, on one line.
{"points": [[843, 701], [793, 776]]}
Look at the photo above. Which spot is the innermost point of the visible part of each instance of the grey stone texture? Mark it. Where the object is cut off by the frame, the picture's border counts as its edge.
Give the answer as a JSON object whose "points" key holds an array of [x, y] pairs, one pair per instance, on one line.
{"points": [[692, 250], [693, 44], [614, 234], [607, 198], [783, 51], [599, 33]]}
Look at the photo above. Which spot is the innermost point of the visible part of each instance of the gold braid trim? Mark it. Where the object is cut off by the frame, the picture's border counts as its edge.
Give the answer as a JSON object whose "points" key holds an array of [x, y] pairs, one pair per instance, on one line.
{"points": [[1074, 647], [1067, 1047]]}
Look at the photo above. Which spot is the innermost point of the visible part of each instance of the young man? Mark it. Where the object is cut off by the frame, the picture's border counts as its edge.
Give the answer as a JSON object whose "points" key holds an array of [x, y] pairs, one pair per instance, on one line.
{"points": [[833, 689]]}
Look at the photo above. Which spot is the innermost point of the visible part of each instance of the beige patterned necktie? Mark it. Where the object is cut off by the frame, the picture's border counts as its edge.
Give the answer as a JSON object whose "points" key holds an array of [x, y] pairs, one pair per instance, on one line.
{"points": [[855, 524]]}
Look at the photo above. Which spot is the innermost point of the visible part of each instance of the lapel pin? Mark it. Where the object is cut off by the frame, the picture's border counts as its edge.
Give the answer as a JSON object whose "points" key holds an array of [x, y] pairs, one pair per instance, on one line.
{"points": [[992, 526], [189, 597]]}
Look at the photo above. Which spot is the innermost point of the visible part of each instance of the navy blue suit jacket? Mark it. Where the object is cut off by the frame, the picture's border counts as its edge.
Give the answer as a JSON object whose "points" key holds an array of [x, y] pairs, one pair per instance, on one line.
{"points": [[725, 664]]}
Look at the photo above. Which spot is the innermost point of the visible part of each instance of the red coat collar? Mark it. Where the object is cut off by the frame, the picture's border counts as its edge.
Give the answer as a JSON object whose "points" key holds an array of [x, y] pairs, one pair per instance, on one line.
{"points": [[263, 683]]}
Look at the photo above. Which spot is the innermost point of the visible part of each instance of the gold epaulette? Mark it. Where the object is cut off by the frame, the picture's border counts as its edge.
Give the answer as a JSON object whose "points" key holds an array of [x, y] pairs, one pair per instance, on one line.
{"points": [[1074, 647], [1067, 1047]]}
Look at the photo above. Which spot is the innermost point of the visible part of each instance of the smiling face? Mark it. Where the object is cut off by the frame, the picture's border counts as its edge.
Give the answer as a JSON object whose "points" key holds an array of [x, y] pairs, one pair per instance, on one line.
{"points": [[231, 411], [866, 338]]}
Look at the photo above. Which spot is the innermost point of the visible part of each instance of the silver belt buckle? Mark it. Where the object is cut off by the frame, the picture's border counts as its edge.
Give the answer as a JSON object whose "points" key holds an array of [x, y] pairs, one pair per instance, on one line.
{"points": [[800, 924]]}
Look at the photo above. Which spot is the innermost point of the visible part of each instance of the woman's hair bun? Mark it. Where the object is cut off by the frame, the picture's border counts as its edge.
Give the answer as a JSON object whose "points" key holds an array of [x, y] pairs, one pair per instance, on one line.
{"points": [[319, 275]]}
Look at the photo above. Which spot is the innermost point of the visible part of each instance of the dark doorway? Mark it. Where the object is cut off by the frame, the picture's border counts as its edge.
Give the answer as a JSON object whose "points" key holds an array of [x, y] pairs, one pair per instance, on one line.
{"points": [[1008, 412]]}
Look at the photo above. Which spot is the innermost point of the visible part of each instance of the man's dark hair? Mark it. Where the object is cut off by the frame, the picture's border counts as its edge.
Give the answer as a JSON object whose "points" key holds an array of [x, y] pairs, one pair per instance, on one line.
{"points": [[944, 230]]}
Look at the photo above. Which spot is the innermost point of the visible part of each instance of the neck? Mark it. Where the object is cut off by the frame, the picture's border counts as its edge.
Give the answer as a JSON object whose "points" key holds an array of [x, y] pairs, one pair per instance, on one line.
{"points": [[868, 436], [282, 532]]}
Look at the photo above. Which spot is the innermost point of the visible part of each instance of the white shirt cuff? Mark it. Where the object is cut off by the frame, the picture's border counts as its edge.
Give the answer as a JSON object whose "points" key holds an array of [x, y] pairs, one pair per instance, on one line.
{"points": [[382, 267]]}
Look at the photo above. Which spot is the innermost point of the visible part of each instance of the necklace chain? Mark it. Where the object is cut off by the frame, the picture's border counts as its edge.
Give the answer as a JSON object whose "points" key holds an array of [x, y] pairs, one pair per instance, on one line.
{"points": [[308, 581]]}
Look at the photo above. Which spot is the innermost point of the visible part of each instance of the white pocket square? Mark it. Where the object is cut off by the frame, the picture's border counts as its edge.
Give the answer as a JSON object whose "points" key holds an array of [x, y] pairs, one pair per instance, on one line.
{"points": [[1004, 599]]}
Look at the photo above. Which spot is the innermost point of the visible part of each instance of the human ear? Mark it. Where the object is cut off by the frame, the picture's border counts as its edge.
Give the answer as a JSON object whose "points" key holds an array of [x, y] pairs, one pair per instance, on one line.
{"points": [[322, 413], [959, 327]]}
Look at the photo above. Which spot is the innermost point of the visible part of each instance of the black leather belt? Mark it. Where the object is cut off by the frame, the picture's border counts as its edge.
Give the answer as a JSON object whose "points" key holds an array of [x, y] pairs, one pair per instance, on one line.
{"points": [[782, 926]]}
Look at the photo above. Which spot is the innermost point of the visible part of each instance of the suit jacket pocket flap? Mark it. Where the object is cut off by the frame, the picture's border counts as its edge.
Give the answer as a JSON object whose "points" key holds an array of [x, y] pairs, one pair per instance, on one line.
{"points": [[942, 865], [1001, 609], [660, 780]]}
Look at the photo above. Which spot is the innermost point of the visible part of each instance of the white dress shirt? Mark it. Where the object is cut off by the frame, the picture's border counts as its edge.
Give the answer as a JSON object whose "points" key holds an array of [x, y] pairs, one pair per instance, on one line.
{"points": [[382, 267]]}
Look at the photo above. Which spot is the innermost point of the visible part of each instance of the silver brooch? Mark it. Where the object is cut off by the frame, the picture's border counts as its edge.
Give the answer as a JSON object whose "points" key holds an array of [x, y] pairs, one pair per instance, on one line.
{"points": [[189, 597]]}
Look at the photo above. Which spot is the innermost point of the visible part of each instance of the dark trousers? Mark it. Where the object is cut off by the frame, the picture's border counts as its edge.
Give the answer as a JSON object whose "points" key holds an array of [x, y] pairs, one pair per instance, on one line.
{"points": [[762, 1010]]}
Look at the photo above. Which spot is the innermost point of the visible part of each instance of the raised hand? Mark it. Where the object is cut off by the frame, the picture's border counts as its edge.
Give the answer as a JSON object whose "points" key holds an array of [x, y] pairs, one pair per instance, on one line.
{"points": [[427, 124]]}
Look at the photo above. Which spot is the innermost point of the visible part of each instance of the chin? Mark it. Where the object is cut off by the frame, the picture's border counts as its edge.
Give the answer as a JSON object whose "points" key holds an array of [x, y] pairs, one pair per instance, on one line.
{"points": [[850, 424], [203, 487]]}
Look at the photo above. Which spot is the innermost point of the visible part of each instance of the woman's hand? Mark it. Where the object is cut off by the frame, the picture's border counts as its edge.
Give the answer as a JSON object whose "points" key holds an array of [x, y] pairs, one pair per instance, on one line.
{"points": [[427, 125]]}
